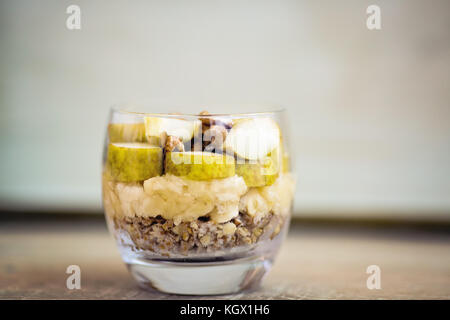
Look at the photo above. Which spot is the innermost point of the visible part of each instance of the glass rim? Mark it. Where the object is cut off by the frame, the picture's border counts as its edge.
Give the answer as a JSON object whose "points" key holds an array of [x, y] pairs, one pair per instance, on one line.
{"points": [[121, 110]]}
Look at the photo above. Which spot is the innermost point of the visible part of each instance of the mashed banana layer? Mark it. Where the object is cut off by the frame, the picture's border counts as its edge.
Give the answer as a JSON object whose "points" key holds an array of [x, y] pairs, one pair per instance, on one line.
{"points": [[184, 200], [176, 198], [277, 198]]}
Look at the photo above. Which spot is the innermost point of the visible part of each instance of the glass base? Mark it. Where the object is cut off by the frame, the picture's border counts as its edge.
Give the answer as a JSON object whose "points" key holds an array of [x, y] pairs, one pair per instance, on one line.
{"points": [[200, 278]]}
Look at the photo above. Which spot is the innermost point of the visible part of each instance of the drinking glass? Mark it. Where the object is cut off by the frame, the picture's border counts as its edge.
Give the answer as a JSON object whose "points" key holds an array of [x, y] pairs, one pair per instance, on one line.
{"points": [[197, 203]]}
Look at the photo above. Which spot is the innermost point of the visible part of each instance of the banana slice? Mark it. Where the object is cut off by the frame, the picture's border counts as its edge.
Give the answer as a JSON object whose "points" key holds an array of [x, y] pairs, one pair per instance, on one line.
{"points": [[127, 162], [199, 165], [156, 127], [253, 139], [259, 173], [126, 132]]}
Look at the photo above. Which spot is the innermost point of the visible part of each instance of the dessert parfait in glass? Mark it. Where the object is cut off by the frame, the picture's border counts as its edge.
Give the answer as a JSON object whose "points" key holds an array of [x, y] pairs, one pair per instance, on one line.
{"points": [[198, 204]]}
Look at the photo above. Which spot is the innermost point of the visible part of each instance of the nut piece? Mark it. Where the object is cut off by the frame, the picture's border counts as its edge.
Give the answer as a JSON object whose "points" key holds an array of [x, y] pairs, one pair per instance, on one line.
{"points": [[257, 232], [216, 135], [194, 225], [205, 240], [237, 222], [229, 228], [206, 122], [173, 143], [210, 121], [243, 231], [175, 229]]}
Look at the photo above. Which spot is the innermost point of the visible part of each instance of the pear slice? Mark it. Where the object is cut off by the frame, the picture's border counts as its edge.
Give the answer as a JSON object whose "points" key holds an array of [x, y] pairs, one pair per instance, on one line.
{"points": [[259, 173], [156, 128], [253, 139], [126, 132], [127, 162], [202, 166]]}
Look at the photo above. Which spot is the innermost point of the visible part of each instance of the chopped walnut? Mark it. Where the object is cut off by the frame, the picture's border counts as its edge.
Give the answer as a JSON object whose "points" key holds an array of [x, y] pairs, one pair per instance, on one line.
{"points": [[237, 222], [257, 232], [175, 229], [205, 240], [215, 135], [173, 143], [242, 231], [206, 122], [211, 120], [167, 225], [194, 225]]}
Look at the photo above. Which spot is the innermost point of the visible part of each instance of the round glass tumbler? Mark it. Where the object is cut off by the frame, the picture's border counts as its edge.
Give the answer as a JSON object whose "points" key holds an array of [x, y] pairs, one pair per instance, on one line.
{"points": [[198, 204]]}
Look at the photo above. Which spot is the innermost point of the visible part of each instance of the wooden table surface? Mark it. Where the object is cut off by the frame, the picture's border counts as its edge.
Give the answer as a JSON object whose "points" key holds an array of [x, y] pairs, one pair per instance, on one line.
{"points": [[314, 263]]}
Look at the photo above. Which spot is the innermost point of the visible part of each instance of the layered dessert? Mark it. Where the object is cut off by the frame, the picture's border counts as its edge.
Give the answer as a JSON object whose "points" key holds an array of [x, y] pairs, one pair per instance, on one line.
{"points": [[197, 186]]}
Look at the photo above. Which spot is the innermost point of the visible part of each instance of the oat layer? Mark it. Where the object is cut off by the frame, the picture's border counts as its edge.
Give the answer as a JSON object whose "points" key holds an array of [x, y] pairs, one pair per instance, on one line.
{"points": [[162, 237]]}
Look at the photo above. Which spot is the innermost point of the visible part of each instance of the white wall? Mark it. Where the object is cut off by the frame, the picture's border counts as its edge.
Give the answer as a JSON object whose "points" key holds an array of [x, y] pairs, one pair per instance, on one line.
{"points": [[369, 110]]}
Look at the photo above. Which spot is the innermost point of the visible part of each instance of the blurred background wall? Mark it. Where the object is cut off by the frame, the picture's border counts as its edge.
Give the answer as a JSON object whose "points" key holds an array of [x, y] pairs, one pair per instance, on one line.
{"points": [[369, 111]]}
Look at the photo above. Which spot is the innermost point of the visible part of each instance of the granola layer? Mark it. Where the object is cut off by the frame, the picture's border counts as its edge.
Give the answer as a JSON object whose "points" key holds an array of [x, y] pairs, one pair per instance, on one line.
{"points": [[163, 237]]}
